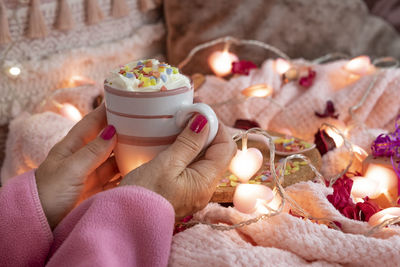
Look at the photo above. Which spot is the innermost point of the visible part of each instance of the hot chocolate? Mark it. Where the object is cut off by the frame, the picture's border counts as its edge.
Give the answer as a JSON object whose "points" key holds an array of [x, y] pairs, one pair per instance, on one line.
{"points": [[148, 75]]}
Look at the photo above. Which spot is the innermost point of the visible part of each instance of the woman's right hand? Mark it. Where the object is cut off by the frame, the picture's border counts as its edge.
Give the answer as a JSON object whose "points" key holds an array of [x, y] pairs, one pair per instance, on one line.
{"points": [[186, 182]]}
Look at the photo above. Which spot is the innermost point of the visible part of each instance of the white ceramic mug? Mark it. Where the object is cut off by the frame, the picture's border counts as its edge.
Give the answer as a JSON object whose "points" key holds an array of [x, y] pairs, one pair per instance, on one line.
{"points": [[148, 122]]}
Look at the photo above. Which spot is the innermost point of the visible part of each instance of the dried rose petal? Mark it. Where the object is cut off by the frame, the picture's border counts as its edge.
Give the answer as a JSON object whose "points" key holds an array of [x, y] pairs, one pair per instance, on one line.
{"points": [[243, 67], [338, 224], [308, 80], [305, 82], [350, 212], [342, 201], [329, 111], [323, 142], [245, 124], [366, 209]]}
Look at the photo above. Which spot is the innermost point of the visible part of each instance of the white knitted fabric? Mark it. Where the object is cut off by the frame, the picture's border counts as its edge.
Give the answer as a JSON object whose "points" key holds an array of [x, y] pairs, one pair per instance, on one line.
{"points": [[379, 110], [81, 35], [285, 240], [331, 83], [40, 77]]}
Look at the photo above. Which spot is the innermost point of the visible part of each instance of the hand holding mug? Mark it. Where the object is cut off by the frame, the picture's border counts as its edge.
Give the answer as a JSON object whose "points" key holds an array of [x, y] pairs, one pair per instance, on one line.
{"points": [[185, 181], [148, 122], [78, 166]]}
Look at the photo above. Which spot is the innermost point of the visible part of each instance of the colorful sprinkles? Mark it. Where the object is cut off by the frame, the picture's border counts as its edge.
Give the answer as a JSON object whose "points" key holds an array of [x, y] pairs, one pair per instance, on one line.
{"points": [[147, 73], [290, 144]]}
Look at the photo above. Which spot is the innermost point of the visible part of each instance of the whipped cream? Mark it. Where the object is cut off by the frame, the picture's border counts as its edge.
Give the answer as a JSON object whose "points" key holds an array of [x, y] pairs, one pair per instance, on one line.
{"points": [[148, 75]]}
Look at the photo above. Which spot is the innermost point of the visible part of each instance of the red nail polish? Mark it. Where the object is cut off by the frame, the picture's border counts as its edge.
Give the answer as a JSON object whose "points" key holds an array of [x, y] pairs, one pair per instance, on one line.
{"points": [[198, 123], [108, 132]]}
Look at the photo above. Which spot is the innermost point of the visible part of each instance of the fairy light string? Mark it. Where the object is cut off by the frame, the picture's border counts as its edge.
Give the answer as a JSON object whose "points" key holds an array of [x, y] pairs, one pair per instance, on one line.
{"points": [[390, 63], [278, 188], [278, 178], [297, 209], [228, 40]]}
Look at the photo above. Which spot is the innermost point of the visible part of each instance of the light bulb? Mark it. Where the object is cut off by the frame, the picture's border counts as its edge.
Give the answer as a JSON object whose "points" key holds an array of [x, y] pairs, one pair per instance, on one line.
{"points": [[282, 66], [221, 62], [14, 71], [337, 138], [258, 90], [359, 65]]}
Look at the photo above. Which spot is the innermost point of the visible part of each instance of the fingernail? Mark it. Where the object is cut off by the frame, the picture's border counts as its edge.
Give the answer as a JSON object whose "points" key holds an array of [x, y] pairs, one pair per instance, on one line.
{"points": [[108, 132], [198, 123]]}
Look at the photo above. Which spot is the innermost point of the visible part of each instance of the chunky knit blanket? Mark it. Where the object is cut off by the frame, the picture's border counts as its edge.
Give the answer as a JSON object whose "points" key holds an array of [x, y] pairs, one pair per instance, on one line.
{"points": [[284, 239]]}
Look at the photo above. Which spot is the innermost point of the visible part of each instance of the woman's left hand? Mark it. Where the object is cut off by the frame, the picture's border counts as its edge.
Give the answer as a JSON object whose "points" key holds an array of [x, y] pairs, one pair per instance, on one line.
{"points": [[77, 167]]}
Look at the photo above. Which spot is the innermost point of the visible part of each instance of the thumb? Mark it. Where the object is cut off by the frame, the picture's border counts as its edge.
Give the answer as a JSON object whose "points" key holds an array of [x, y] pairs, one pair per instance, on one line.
{"points": [[93, 154], [188, 144]]}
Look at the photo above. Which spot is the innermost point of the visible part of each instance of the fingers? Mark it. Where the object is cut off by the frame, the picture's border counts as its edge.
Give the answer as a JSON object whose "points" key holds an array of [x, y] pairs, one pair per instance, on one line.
{"points": [[106, 171], [217, 156], [93, 154], [103, 174], [83, 132], [187, 145]]}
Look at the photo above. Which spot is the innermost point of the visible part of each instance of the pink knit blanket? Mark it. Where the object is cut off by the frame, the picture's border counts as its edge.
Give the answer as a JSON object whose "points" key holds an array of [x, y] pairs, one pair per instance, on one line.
{"points": [[284, 239]]}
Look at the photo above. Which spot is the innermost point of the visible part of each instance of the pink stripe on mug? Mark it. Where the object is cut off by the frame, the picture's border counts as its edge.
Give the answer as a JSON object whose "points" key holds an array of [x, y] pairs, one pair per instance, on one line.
{"points": [[148, 122], [140, 116], [135, 94], [146, 141]]}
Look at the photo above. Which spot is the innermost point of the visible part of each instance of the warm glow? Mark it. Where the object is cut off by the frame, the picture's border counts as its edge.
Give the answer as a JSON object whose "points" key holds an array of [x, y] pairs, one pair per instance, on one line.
{"points": [[14, 71], [360, 65], [282, 66], [363, 187], [246, 163], [221, 62], [386, 177], [77, 80], [262, 206], [70, 112], [258, 90], [383, 215], [249, 197], [337, 138], [360, 153]]}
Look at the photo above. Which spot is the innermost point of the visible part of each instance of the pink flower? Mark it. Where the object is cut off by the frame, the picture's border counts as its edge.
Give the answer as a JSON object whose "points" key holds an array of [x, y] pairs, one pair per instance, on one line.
{"points": [[243, 67], [366, 209]]}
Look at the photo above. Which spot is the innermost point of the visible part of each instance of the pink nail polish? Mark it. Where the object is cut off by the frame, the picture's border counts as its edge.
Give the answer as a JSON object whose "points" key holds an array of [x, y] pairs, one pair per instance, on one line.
{"points": [[198, 123], [108, 132]]}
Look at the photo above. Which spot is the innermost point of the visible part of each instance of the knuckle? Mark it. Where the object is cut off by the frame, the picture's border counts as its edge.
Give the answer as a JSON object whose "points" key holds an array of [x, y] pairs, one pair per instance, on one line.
{"points": [[167, 161], [93, 149], [57, 152], [188, 143]]}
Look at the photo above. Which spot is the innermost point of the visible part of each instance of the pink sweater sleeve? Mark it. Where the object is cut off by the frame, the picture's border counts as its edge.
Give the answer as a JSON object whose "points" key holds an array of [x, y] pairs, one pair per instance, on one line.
{"points": [[126, 226], [25, 235]]}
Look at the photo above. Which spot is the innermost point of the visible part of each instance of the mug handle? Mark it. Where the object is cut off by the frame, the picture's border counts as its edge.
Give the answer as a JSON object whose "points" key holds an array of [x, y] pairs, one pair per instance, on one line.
{"points": [[184, 114]]}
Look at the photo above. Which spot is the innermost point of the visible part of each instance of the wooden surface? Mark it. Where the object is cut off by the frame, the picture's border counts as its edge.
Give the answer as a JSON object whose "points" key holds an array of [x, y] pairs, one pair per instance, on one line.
{"points": [[225, 194]]}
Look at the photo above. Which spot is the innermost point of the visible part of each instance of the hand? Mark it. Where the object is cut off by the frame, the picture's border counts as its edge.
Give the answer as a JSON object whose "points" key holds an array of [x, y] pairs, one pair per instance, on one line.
{"points": [[185, 181], [77, 167]]}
